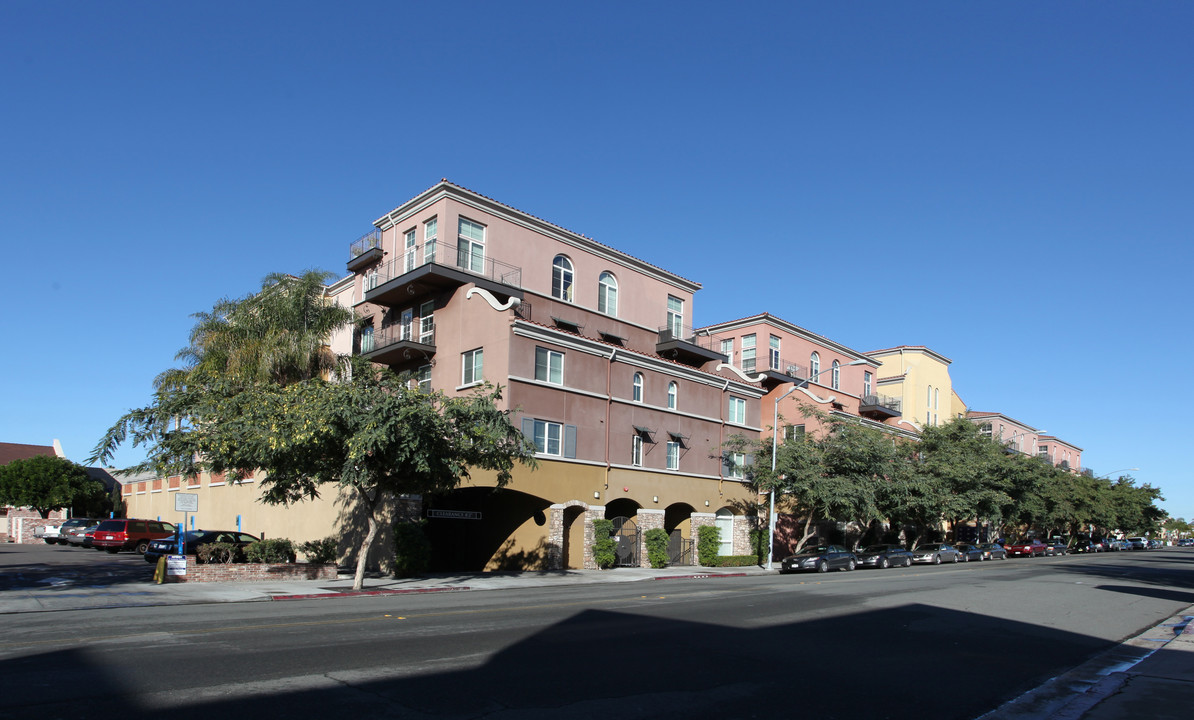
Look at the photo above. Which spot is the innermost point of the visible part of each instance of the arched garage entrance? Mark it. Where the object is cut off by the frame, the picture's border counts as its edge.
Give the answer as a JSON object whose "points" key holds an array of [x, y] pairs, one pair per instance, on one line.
{"points": [[574, 537], [627, 537], [486, 529]]}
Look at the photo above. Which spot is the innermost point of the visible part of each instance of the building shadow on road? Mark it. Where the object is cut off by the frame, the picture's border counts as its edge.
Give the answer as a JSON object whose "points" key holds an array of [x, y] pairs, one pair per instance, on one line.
{"points": [[910, 662]]}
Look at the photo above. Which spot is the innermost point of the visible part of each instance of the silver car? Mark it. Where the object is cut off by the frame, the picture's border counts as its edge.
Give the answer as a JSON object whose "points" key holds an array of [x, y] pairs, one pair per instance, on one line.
{"points": [[935, 554]]}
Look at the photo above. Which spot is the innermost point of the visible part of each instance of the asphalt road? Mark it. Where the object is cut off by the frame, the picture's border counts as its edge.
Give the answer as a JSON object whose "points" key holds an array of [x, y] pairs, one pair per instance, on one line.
{"points": [[925, 642]]}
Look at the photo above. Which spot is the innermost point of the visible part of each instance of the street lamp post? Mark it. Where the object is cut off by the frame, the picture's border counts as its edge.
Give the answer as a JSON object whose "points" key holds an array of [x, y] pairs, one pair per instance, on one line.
{"points": [[774, 447]]}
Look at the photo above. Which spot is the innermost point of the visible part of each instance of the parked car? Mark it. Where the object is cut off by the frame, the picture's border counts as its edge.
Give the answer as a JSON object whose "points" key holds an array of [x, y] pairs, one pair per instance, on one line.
{"points": [[56, 535], [77, 536], [993, 551], [1137, 543], [1155, 545], [1056, 547], [882, 556], [130, 534], [936, 553], [192, 539], [969, 552], [1186, 542], [1031, 548], [1085, 546], [820, 558]]}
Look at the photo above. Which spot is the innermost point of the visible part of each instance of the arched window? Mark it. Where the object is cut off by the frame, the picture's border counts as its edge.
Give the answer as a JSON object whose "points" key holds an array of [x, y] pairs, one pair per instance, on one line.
{"points": [[672, 390], [724, 521], [837, 375], [561, 278], [638, 387], [607, 294], [814, 366]]}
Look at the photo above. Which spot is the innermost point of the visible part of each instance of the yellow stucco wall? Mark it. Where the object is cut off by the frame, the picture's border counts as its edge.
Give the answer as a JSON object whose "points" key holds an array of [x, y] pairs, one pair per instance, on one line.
{"points": [[921, 370]]}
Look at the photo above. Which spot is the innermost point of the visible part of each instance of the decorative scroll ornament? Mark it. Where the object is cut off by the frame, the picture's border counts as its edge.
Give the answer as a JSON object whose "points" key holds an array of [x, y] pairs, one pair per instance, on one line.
{"points": [[739, 373], [493, 302]]}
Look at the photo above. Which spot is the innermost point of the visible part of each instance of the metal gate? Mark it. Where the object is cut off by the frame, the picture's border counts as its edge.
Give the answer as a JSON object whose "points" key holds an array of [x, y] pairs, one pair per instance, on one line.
{"points": [[626, 538], [679, 549]]}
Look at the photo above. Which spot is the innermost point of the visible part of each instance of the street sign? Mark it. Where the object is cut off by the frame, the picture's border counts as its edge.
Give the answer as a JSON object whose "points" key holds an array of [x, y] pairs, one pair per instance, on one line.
{"points": [[186, 502], [176, 564], [454, 514]]}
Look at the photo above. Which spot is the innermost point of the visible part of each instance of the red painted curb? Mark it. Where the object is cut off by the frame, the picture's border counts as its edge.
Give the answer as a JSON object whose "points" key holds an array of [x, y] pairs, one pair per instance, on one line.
{"points": [[366, 593], [702, 576]]}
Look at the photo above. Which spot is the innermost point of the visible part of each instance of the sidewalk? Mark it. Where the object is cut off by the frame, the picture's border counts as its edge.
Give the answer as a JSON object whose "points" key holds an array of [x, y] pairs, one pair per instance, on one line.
{"points": [[144, 594]]}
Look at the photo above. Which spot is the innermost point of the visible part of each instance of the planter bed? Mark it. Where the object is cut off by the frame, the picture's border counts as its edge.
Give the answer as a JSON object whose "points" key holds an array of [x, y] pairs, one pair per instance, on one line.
{"points": [[252, 572]]}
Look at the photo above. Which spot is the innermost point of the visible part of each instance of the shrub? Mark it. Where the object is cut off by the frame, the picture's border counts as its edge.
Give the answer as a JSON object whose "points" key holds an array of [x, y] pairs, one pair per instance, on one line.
{"points": [[708, 543], [733, 561], [320, 551], [219, 552], [758, 543], [604, 553], [657, 541], [277, 550], [412, 549]]}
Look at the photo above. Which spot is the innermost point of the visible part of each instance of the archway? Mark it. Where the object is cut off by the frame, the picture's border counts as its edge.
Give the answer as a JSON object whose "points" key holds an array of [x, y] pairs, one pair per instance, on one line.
{"points": [[677, 522], [481, 528]]}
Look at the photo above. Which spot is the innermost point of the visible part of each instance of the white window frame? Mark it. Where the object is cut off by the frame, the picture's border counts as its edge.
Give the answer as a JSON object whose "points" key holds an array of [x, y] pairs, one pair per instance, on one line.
{"points": [[773, 343], [814, 367], [470, 249], [607, 294], [836, 375], [422, 378], [636, 450], [727, 349], [749, 361], [552, 364], [673, 455], [430, 238], [637, 387], [427, 323], [866, 383], [563, 278], [406, 324], [543, 438], [472, 366], [673, 394], [411, 241], [737, 413], [737, 465], [675, 316]]}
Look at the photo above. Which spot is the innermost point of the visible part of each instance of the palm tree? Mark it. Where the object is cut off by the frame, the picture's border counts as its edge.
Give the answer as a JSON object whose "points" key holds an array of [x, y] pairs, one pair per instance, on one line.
{"points": [[278, 336]]}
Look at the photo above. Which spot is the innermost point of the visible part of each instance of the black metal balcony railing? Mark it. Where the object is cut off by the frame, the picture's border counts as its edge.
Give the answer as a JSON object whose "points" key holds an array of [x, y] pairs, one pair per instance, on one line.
{"points": [[434, 253], [668, 333], [364, 244], [394, 334], [881, 401]]}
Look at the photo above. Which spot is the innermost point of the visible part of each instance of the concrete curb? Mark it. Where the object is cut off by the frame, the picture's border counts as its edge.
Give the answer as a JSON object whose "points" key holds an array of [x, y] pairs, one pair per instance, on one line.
{"points": [[367, 593], [700, 576]]}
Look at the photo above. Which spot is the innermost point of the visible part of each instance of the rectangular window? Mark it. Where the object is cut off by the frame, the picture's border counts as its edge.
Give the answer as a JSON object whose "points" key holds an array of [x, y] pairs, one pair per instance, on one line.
{"points": [[673, 455], [470, 246], [549, 366], [423, 378], [430, 236], [472, 363], [367, 339], [408, 262], [727, 349], [748, 353], [636, 450], [773, 352], [547, 437], [737, 411], [736, 465], [866, 384], [793, 432], [675, 317], [427, 323]]}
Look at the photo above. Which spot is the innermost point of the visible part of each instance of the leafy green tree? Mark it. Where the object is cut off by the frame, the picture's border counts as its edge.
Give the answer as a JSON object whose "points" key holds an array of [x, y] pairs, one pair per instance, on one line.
{"points": [[865, 471], [960, 467], [1135, 511], [46, 483]]}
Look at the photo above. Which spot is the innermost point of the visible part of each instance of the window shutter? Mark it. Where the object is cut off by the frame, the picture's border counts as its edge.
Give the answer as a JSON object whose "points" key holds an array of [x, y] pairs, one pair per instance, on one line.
{"points": [[727, 464], [528, 428], [569, 441], [749, 461]]}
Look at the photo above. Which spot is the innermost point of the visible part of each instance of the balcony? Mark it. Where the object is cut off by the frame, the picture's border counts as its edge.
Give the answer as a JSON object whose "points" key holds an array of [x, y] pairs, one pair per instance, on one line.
{"points": [[398, 345], [365, 251], [776, 372], [435, 266], [879, 407], [681, 344]]}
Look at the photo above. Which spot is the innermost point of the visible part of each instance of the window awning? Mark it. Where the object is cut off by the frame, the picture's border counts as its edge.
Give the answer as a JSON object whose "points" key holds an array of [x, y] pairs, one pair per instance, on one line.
{"points": [[646, 432]]}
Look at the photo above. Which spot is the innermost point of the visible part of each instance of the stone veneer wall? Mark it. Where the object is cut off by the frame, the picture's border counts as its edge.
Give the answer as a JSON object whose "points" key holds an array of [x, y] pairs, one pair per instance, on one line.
{"points": [[647, 520], [700, 520], [253, 572]]}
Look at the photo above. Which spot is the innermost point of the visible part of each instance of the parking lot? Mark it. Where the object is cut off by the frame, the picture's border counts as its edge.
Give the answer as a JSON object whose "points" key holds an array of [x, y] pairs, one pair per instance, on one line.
{"points": [[58, 566]]}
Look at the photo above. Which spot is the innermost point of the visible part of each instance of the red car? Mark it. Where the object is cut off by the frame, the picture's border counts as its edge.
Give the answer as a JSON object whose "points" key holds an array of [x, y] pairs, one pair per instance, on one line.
{"points": [[1031, 548], [129, 534]]}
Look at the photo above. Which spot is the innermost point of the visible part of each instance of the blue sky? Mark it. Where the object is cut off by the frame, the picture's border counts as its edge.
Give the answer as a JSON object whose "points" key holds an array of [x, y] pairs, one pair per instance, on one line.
{"points": [[1009, 184]]}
